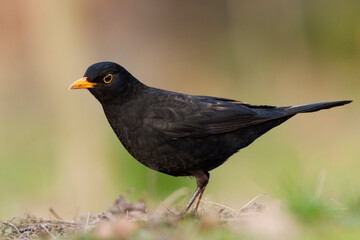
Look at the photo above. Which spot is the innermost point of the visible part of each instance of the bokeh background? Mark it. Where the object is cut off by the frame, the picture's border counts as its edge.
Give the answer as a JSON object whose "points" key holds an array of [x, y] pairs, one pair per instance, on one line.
{"points": [[57, 149]]}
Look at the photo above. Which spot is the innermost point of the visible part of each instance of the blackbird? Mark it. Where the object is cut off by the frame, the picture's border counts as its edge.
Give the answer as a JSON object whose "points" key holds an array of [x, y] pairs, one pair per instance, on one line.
{"points": [[179, 134]]}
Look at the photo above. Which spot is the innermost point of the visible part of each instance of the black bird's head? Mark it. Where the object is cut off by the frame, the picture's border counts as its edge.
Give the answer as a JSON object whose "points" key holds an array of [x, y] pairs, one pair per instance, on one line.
{"points": [[107, 81]]}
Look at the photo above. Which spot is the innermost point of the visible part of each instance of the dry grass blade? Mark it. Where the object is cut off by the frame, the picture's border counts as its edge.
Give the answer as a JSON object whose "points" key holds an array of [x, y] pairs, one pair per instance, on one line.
{"points": [[44, 227], [170, 200], [13, 226], [219, 205], [251, 201], [52, 211], [87, 222]]}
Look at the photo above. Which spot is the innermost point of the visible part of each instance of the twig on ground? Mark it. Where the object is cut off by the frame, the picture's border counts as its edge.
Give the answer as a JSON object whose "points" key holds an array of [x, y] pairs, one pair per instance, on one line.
{"points": [[218, 204], [13, 226], [52, 211], [170, 199], [48, 221], [252, 200], [167, 209], [87, 221], [44, 227]]}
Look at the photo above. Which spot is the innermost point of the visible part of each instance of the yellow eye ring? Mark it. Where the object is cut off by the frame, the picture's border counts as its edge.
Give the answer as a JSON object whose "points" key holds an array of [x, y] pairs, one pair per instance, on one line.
{"points": [[108, 78]]}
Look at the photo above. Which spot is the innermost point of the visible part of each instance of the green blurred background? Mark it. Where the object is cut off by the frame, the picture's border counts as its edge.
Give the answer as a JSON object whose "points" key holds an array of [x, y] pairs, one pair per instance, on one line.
{"points": [[57, 149]]}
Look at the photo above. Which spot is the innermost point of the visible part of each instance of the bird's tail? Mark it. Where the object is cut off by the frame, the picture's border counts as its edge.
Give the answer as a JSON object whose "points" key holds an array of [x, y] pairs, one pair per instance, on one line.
{"points": [[313, 107]]}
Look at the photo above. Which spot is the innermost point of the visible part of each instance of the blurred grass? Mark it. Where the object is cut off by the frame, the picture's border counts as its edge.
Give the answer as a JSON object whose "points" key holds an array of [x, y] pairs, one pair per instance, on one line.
{"points": [[28, 162]]}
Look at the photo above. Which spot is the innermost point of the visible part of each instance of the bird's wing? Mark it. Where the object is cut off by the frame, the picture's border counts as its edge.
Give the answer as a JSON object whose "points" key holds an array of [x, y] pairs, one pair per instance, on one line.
{"points": [[198, 116]]}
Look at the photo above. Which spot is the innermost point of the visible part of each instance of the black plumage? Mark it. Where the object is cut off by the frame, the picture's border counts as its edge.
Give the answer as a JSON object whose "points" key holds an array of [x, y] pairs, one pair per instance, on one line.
{"points": [[180, 134]]}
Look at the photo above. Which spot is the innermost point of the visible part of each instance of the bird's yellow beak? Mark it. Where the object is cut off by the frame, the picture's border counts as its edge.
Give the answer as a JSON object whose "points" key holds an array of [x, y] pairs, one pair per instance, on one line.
{"points": [[82, 83]]}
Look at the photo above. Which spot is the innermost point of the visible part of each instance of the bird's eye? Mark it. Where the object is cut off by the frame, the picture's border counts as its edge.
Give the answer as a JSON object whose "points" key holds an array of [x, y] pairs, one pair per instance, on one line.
{"points": [[108, 78]]}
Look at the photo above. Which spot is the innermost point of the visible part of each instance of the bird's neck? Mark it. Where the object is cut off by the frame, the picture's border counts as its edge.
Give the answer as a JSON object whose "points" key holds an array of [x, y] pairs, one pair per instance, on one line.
{"points": [[120, 97]]}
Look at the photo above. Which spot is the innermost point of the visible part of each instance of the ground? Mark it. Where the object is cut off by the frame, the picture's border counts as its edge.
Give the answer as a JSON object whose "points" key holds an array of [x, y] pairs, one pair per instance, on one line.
{"points": [[301, 218]]}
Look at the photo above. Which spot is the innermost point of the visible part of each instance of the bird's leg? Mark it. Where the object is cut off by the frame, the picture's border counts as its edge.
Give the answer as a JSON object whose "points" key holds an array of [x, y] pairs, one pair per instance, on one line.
{"points": [[202, 179], [198, 200], [192, 199]]}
